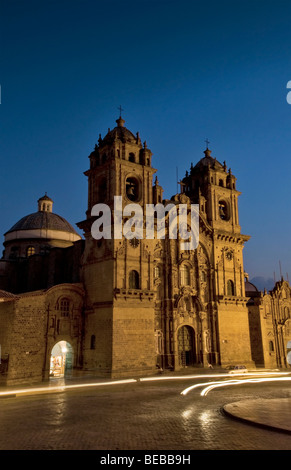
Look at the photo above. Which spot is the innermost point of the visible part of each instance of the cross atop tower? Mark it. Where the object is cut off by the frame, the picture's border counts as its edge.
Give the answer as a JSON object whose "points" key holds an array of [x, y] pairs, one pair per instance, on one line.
{"points": [[120, 109], [207, 142]]}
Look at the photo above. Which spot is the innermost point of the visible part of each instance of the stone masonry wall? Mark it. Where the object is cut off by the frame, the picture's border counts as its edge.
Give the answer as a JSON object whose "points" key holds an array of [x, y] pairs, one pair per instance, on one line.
{"points": [[234, 338], [133, 339], [27, 346]]}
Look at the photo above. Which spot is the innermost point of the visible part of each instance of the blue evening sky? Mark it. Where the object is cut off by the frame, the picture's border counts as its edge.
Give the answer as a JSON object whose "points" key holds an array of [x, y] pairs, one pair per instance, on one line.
{"points": [[182, 70]]}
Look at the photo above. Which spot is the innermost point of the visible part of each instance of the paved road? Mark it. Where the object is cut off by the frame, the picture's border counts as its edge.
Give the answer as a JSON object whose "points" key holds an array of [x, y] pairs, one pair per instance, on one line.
{"points": [[146, 416]]}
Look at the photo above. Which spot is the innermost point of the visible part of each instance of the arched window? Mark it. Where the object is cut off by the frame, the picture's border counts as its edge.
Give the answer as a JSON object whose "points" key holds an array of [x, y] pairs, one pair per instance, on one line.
{"points": [[230, 287], [221, 183], [133, 280], [65, 307], [93, 342], [185, 275], [14, 252], [271, 346], [223, 210], [30, 251], [131, 157], [44, 249], [132, 188]]}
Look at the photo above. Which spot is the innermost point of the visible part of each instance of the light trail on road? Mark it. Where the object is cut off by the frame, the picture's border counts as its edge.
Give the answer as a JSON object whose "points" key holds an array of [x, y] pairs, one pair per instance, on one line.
{"points": [[63, 388], [212, 385], [198, 376]]}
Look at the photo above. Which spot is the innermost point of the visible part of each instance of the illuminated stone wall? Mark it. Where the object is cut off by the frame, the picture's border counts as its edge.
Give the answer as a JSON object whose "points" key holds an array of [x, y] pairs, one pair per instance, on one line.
{"points": [[32, 323]]}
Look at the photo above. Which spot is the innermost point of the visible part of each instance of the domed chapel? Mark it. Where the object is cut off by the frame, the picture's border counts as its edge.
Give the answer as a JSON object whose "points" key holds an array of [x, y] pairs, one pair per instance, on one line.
{"points": [[118, 306]]}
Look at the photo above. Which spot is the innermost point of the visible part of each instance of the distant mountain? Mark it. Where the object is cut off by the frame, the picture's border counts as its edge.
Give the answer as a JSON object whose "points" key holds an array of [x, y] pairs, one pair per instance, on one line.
{"points": [[263, 283]]}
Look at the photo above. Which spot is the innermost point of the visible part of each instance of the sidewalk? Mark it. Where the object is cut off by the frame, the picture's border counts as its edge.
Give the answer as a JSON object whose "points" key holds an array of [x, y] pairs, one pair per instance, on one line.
{"points": [[274, 414]]}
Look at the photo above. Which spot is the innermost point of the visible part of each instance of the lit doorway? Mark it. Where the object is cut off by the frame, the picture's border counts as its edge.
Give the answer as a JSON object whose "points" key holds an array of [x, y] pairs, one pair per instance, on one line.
{"points": [[61, 361]]}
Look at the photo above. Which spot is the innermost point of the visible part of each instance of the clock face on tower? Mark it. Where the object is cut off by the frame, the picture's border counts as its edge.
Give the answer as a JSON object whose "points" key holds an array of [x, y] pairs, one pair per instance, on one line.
{"points": [[132, 189]]}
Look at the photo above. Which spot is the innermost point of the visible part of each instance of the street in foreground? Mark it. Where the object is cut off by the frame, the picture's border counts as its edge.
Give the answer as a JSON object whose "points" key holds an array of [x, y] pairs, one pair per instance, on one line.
{"points": [[138, 416]]}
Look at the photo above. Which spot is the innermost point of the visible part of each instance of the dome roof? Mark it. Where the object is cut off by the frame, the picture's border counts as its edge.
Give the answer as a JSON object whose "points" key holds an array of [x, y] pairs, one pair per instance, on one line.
{"points": [[208, 161], [249, 287], [43, 220], [37, 233], [45, 198], [120, 132]]}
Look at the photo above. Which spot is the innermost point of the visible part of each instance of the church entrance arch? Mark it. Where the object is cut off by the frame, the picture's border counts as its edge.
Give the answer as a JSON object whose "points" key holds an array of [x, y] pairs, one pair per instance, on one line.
{"points": [[61, 360], [186, 346]]}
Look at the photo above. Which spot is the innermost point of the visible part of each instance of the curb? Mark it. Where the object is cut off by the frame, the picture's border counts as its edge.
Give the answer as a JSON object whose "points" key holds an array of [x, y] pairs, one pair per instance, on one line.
{"points": [[270, 427]]}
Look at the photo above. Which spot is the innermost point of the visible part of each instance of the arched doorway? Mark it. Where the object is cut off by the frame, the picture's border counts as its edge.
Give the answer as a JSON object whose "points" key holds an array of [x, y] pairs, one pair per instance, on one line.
{"points": [[186, 346], [61, 360]]}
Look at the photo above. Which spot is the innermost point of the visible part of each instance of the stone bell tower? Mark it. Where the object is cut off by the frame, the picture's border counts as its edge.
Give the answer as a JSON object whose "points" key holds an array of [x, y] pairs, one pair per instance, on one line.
{"points": [[213, 187], [117, 272], [120, 165]]}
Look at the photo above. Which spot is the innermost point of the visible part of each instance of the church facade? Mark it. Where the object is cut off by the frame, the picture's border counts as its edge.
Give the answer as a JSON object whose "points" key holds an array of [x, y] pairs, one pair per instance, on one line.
{"points": [[119, 307]]}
